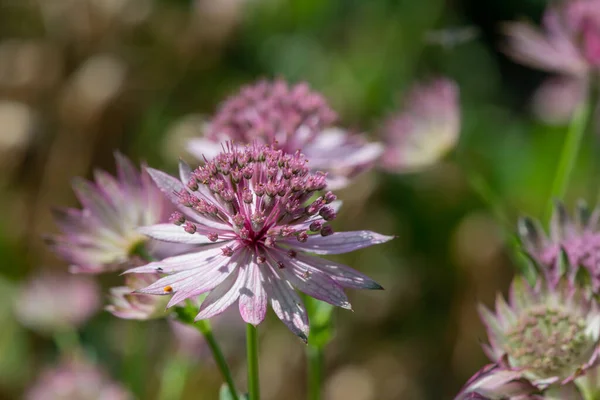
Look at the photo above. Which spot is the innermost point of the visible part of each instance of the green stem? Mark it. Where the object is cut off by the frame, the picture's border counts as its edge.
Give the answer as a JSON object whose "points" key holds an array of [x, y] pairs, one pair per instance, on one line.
{"points": [[173, 378], [67, 341], [204, 327], [315, 365], [252, 355], [568, 155]]}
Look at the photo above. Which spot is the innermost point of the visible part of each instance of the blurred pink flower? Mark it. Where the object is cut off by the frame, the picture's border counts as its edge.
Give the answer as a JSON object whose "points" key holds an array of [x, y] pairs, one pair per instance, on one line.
{"points": [[568, 43], [293, 118], [75, 380], [578, 237], [51, 301], [425, 130], [521, 340], [249, 211], [126, 304], [103, 235], [495, 382], [556, 100]]}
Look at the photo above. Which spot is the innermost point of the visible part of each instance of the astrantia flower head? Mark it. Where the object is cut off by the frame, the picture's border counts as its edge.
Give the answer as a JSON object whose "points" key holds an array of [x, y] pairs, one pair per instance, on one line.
{"points": [[425, 130], [293, 118], [493, 382], [548, 334], [40, 308], [75, 379], [254, 213], [126, 304], [577, 238], [103, 235]]}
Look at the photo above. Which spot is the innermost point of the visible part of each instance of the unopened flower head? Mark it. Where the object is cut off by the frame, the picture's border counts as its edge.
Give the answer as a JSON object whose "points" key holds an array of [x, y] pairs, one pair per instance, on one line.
{"points": [[549, 334], [51, 302], [103, 235], [75, 379], [493, 382], [254, 213], [126, 304], [292, 118], [425, 130], [577, 238]]}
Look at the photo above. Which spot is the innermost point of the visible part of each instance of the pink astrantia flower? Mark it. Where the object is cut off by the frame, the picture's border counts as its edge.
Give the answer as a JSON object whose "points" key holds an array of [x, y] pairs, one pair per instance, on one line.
{"points": [[126, 304], [295, 118], [567, 44], [578, 238], [495, 382], [549, 334], [40, 308], [75, 379], [103, 235], [425, 130], [250, 213]]}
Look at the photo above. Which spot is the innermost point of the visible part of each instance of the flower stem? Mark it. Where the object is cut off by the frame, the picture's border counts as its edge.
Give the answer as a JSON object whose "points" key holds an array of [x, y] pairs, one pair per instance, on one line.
{"points": [[568, 155], [315, 365], [67, 341], [252, 355], [321, 333], [204, 327]]}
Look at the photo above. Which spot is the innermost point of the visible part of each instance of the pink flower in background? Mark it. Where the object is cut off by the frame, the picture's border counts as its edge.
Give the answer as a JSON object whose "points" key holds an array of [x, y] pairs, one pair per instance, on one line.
{"points": [[425, 130], [578, 237], [294, 118], [75, 380], [103, 235], [548, 335], [51, 301], [495, 382], [124, 303], [568, 44], [250, 214]]}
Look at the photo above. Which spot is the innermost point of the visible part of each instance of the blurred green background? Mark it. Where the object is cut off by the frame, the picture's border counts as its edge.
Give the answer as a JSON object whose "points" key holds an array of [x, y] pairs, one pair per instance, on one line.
{"points": [[80, 78]]}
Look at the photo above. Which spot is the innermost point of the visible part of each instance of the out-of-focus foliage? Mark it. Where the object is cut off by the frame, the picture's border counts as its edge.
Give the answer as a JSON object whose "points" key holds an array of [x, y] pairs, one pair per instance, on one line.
{"points": [[80, 78]]}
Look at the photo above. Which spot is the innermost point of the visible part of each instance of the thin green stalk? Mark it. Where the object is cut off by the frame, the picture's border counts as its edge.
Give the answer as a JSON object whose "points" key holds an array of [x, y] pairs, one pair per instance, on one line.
{"points": [[321, 332], [568, 155], [252, 355], [173, 378], [204, 327], [67, 341], [315, 366]]}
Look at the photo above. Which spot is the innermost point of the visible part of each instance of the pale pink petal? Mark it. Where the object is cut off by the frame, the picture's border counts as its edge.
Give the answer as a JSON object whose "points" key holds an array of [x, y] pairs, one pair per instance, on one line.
{"points": [[126, 171], [184, 262], [345, 276], [185, 171], [253, 298], [312, 281], [175, 234], [204, 148], [95, 201], [339, 242], [170, 186], [226, 293], [286, 304]]}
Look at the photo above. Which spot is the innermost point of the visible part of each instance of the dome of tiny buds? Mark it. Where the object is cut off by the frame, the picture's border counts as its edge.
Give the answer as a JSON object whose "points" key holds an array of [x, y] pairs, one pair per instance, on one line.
{"points": [[262, 192], [549, 333], [549, 341], [273, 112]]}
